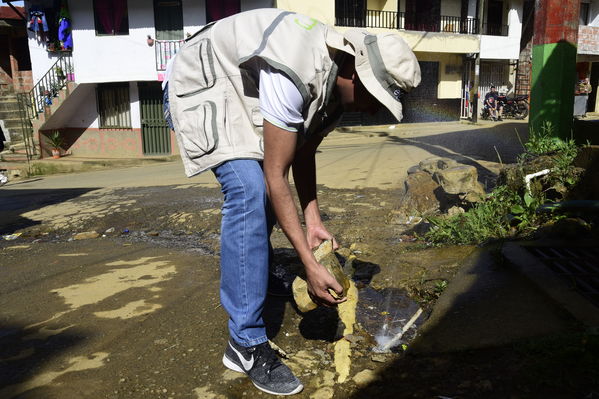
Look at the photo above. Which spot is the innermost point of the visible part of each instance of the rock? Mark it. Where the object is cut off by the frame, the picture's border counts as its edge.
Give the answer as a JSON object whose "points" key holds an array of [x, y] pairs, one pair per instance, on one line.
{"points": [[434, 164], [378, 358], [86, 235], [459, 180], [421, 194], [323, 393], [110, 230], [325, 256], [153, 233], [354, 338], [345, 252], [455, 210], [365, 377], [414, 169]]}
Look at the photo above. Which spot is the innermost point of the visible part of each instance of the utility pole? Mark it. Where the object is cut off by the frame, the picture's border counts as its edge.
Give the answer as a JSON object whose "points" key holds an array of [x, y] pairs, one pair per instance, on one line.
{"points": [[554, 66], [479, 15]]}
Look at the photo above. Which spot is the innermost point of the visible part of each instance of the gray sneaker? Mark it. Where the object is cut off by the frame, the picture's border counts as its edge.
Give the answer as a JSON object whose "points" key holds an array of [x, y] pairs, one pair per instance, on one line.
{"points": [[264, 368]]}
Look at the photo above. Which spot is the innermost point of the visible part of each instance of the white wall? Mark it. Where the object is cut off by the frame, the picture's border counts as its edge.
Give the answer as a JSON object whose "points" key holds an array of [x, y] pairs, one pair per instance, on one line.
{"points": [[451, 8], [594, 13], [505, 47]]}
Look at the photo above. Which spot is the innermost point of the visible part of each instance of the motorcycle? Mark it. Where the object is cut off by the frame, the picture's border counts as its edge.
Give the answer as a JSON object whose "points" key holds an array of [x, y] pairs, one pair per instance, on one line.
{"points": [[515, 107]]}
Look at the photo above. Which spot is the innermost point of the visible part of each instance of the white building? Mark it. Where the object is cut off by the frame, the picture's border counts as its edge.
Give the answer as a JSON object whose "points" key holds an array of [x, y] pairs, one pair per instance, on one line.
{"points": [[111, 106]]}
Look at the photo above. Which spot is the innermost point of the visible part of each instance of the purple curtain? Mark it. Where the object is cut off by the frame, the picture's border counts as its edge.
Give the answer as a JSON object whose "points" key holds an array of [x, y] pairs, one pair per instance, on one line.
{"points": [[219, 9], [110, 14]]}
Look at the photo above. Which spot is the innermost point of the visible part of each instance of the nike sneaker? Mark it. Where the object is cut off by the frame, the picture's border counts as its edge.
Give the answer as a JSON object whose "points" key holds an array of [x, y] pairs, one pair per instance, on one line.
{"points": [[264, 368]]}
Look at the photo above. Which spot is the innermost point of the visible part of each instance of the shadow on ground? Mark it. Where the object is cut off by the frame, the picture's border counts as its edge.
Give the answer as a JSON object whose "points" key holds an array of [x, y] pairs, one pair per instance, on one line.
{"points": [[493, 334], [13, 203]]}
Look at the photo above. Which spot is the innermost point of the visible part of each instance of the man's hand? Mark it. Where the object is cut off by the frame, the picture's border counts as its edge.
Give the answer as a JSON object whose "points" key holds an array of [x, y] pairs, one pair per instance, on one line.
{"points": [[317, 234], [319, 282]]}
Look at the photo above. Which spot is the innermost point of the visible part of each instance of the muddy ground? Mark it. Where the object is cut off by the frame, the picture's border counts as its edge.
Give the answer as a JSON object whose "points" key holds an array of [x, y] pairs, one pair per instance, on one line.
{"points": [[134, 313]]}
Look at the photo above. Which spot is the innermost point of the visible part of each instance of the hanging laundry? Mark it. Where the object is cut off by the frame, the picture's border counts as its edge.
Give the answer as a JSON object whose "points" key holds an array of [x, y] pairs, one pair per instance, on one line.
{"points": [[64, 27], [64, 34], [37, 20]]}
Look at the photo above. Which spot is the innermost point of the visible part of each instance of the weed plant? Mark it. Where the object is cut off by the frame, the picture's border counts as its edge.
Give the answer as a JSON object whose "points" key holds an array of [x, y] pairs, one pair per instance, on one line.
{"points": [[507, 211]]}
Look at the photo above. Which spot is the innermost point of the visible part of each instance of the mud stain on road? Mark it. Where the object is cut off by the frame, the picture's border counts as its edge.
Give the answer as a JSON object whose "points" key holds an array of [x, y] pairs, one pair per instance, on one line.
{"points": [[145, 272], [75, 212], [130, 310], [78, 363]]}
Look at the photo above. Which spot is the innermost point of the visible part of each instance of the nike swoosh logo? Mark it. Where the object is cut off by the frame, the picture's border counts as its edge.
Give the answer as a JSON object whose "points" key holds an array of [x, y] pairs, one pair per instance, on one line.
{"points": [[247, 364]]}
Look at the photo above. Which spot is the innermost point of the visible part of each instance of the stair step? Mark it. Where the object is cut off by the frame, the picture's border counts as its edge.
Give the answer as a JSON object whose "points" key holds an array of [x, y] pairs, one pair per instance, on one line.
{"points": [[10, 157]]}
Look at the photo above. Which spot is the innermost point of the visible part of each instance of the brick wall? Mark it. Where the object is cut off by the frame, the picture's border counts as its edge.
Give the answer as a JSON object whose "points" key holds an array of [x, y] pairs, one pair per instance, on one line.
{"points": [[588, 40]]}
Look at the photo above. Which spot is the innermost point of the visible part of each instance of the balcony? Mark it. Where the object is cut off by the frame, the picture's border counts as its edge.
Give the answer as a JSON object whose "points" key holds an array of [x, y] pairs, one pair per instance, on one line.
{"points": [[402, 21], [165, 50]]}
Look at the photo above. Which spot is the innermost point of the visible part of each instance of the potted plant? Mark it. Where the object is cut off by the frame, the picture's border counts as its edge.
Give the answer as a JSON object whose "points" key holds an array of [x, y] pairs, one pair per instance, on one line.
{"points": [[55, 140], [60, 73], [70, 73]]}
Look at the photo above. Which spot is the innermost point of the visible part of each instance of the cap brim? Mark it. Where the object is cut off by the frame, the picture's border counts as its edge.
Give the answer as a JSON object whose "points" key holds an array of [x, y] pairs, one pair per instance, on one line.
{"points": [[377, 91]]}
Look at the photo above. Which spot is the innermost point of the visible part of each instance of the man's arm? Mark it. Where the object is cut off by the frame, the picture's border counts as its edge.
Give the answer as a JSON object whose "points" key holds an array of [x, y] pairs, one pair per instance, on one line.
{"points": [[279, 154], [304, 176]]}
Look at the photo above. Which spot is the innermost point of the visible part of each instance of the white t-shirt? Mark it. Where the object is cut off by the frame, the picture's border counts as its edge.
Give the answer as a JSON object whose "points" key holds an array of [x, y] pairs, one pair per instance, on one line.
{"points": [[280, 101]]}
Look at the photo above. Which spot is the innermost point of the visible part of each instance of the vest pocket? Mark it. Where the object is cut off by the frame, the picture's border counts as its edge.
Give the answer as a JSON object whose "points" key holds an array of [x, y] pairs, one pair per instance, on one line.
{"points": [[199, 129], [195, 69]]}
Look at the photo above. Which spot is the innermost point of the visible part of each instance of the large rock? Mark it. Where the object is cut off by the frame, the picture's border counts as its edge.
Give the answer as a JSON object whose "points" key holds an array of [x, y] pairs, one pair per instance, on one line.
{"points": [[434, 164], [461, 179], [325, 255], [421, 194], [86, 235]]}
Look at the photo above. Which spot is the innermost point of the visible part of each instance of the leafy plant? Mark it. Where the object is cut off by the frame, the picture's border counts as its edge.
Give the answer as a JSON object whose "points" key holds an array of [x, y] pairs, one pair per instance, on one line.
{"points": [[55, 139]]}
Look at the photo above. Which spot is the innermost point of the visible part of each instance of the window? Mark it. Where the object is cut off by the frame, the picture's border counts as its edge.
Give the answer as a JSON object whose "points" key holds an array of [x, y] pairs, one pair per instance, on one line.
{"points": [[350, 12], [583, 19], [219, 9], [111, 17], [113, 106]]}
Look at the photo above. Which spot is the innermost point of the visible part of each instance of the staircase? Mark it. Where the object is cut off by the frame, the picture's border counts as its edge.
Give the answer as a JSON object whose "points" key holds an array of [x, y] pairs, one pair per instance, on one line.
{"points": [[10, 114], [25, 114]]}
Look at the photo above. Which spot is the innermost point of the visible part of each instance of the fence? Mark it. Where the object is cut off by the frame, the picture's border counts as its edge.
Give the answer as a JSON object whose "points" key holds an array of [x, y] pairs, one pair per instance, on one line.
{"points": [[165, 50]]}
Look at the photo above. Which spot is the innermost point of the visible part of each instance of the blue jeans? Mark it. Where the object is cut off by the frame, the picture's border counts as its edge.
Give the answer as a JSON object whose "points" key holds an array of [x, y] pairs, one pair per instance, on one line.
{"points": [[247, 222]]}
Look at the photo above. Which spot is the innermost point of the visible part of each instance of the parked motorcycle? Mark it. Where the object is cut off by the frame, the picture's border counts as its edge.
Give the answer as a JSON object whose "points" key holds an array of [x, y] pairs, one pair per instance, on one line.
{"points": [[515, 107]]}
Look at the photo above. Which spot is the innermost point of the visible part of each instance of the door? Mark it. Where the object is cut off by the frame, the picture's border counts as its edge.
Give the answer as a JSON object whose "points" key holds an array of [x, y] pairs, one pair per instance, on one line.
{"points": [[168, 17], [156, 137]]}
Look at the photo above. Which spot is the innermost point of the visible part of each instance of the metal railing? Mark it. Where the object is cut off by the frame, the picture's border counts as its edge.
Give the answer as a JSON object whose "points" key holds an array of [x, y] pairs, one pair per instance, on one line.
{"points": [[384, 19], [402, 20], [495, 30], [47, 88], [24, 101], [459, 25], [165, 50]]}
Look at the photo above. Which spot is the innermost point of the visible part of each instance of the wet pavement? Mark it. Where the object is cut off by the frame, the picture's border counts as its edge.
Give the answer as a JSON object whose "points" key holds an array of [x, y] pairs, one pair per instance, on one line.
{"points": [[135, 313]]}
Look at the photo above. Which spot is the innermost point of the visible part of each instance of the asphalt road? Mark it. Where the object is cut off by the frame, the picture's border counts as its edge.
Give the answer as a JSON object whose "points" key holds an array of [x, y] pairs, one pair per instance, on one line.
{"points": [[137, 315]]}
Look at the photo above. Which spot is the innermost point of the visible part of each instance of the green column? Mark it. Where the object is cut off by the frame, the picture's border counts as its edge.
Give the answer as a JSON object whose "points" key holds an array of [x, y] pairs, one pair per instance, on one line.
{"points": [[552, 92], [554, 65]]}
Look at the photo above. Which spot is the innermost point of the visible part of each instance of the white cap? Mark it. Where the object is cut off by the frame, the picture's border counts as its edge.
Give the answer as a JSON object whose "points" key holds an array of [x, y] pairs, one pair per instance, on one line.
{"points": [[386, 66]]}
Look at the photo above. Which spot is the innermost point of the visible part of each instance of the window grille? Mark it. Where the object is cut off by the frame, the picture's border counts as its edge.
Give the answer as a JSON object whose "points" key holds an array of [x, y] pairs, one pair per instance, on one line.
{"points": [[114, 107]]}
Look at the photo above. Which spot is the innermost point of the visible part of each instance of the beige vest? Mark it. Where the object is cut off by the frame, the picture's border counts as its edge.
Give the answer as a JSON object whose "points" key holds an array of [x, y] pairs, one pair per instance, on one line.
{"points": [[213, 87]]}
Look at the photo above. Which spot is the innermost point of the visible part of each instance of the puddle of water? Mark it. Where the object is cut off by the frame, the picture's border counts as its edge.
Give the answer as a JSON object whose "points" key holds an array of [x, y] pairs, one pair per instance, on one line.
{"points": [[385, 313]]}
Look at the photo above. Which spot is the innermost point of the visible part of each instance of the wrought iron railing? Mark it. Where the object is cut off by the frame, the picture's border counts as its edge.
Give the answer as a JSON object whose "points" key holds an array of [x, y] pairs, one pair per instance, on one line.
{"points": [[402, 20], [495, 30], [384, 19], [165, 50], [459, 25], [24, 101], [48, 87]]}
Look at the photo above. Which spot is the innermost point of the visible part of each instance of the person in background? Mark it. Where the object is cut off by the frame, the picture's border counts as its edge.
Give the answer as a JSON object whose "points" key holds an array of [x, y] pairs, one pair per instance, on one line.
{"points": [[494, 106]]}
